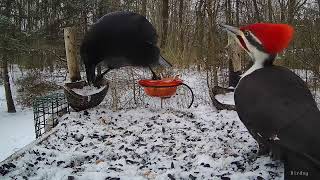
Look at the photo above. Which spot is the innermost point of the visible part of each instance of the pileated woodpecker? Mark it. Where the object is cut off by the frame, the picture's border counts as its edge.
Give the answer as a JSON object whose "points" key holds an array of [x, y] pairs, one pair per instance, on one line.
{"points": [[120, 39], [275, 104]]}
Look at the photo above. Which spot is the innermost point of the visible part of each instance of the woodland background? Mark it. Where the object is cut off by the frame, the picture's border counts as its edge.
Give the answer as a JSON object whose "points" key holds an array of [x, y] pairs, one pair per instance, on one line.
{"points": [[31, 32]]}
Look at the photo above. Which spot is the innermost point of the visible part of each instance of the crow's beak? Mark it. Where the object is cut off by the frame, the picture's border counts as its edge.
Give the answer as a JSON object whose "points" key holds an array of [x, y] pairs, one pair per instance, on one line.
{"points": [[232, 30], [163, 62], [90, 72]]}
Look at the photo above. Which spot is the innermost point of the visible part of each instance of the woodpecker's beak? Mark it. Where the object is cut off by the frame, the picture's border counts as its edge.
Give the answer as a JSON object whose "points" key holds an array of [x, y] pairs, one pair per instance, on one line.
{"points": [[236, 34], [232, 30]]}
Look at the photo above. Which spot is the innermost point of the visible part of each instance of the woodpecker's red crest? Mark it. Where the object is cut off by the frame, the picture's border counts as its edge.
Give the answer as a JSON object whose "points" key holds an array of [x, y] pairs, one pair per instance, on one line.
{"points": [[274, 37]]}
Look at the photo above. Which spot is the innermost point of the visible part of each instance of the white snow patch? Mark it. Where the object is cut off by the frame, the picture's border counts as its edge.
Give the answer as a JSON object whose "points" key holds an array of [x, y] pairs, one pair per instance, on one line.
{"points": [[88, 90], [16, 129], [227, 98], [147, 144]]}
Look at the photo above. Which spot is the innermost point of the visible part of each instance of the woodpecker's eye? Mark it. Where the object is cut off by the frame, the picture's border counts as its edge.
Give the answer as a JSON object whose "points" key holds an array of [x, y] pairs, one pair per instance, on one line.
{"points": [[246, 33]]}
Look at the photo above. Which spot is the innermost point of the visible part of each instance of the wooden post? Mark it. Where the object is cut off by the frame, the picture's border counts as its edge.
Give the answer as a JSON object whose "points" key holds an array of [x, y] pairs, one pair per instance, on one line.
{"points": [[73, 63]]}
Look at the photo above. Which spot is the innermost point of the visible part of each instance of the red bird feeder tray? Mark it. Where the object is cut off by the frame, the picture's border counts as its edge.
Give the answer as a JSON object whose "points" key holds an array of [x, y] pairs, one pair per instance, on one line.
{"points": [[163, 88]]}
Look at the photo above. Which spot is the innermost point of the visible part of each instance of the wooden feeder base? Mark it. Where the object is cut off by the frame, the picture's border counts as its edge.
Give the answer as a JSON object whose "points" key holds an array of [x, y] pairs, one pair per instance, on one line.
{"points": [[79, 102]]}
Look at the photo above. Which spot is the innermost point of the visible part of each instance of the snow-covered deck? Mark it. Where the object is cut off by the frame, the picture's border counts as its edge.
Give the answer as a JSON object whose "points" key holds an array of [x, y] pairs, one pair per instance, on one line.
{"points": [[145, 144]]}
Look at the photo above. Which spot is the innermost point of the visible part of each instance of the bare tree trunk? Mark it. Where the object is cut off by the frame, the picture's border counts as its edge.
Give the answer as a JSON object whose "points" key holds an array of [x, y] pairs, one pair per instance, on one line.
{"points": [[85, 19], [165, 20], [236, 55], [116, 5], [5, 74], [318, 74], [181, 37], [211, 54], [29, 25], [319, 16], [228, 12], [144, 8], [270, 10], [256, 10], [234, 64], [291, 6], [318, 6], [6, 80], [282, 4], [233, 51], [210, 35], [199, 32], [237, 13]]}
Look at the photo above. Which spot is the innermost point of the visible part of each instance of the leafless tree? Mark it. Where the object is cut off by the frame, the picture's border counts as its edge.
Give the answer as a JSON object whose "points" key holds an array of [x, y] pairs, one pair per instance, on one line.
{"points": [[4, 66]]}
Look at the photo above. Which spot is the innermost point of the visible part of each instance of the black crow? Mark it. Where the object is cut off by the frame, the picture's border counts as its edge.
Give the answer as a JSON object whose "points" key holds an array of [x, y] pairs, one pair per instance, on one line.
{"points": [[120, 39]]}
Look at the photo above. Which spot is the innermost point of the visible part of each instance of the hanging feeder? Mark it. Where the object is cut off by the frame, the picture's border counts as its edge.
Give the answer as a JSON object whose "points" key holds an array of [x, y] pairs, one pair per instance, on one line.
{"points": [[81, 102], [164, 88]]}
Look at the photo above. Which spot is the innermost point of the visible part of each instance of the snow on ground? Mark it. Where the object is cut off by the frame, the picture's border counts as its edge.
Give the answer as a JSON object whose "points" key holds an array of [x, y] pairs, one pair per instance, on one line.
{"points": [[146, 144], [198, 82], [16, 129]]}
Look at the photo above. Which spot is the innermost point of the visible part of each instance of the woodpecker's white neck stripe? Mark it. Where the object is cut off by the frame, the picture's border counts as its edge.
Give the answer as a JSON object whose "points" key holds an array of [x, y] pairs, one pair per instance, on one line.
{"points": [[254, 67], [259, 59]]}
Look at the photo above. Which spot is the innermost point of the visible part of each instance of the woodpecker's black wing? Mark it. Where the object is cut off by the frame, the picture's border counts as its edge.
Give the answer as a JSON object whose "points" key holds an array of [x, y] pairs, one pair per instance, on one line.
{"points": [[274, 103]]}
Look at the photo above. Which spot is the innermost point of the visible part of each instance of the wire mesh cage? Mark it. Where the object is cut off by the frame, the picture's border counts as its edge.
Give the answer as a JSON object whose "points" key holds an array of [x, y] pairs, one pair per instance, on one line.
{"points": [[47, 110]]}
